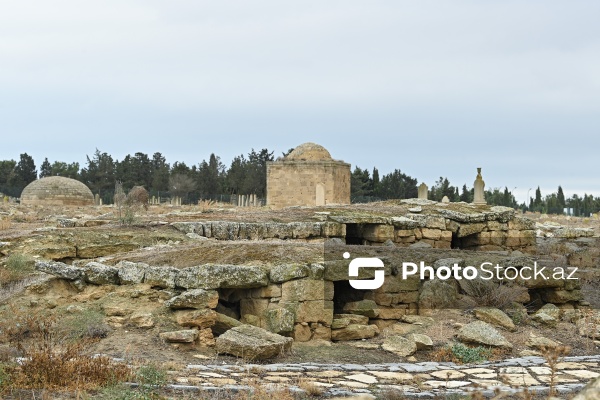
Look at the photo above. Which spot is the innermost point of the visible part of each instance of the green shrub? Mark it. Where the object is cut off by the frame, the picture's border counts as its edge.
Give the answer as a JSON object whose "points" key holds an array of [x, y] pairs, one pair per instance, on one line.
{"points": [[151, 376], [468, 355]]}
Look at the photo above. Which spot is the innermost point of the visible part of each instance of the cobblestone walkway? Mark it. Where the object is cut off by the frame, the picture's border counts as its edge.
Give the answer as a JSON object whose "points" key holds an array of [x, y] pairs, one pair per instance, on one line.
{"points": [[415, 380]]}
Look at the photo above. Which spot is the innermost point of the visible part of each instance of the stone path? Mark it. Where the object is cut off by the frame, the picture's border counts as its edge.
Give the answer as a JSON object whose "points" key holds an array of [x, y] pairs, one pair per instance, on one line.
{"points": [[414, 380]]}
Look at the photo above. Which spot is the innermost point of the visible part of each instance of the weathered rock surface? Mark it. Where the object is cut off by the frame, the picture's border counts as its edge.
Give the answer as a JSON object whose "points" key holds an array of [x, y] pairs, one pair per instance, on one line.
{"points": [[354, 332], [480, 332], [59, 269], [496, 317], [279, 320], [214, 276], [198, 318], [251, 342], [223, 323], [343, 320], [284, 273], [131, 273], [399, 345], [541, 343], [368, 308], [162, 277], [195, 298], [100, 274], [423, 342], [184, 336], [547, 315]]}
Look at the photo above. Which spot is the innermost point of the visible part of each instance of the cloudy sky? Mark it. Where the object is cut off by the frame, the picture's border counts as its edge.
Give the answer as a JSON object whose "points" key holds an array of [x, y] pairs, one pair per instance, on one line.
{"points": [[434, 88]]}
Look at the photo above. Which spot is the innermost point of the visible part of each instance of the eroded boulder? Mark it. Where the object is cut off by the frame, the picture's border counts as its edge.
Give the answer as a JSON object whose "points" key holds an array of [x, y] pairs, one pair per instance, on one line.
{"points": [[482, 333], [251, 342]]}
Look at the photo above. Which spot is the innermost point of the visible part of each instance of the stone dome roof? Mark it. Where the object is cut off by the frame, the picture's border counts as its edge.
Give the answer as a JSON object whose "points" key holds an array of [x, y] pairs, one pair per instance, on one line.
{"points": [[309, 152], [57, 190]]}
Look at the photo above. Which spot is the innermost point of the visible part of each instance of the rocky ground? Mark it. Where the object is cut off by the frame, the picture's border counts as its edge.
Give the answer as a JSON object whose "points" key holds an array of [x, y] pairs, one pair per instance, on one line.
{"points": [[134, 318]]}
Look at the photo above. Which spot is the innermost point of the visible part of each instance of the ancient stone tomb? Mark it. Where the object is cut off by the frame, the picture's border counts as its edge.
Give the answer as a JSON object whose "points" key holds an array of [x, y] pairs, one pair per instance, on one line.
{"points": [[308, 176]]}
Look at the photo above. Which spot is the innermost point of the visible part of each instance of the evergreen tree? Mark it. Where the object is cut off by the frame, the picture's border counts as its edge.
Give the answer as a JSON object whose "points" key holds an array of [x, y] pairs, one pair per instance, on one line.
{"points": [[7, 171], [361, 184], [537, 203], [99, 175], [376, 182], [561, 200], [236, 175], [256, 172], [45, 169], [24, 173], [466, 195], [398, 185], [210, 176], [60, 168], [159, 172]]}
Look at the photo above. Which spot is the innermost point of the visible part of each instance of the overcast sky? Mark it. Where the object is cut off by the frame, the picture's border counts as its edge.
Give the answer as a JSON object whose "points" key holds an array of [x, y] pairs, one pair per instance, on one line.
{"points": [[434, 88]]}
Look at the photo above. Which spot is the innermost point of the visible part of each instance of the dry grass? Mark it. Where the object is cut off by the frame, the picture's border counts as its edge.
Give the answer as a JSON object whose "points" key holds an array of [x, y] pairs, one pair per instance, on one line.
{"points": [[16, 268], [310, 388], [5, 224], [50, 362], [491, 294]]}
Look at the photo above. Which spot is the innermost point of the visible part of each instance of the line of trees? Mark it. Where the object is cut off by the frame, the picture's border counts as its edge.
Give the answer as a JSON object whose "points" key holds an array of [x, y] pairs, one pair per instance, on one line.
{"points": [[367, 186], [207, 180], [211, 179]]}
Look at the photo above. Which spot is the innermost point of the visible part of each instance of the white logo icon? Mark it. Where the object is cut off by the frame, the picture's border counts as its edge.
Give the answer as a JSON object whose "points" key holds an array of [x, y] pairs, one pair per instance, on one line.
{"points": [[371, 262]]}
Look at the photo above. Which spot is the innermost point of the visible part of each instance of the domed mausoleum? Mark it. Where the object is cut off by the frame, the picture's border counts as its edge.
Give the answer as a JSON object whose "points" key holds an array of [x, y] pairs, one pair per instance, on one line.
{"points": [[57, 190], [308, 176]]}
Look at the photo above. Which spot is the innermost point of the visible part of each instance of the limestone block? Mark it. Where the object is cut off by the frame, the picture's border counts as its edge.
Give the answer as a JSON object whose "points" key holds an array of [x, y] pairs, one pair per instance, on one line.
{"points": [[403, 233], [391, 312], [306, 289], [311, 311], [266, 292], [428, 233], [378, 233], [198, 318], [470, 229], [354, 332], [498, 238]]}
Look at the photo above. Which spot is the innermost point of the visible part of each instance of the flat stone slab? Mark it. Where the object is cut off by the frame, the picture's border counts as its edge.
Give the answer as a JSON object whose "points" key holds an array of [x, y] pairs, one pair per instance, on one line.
{"points": [[251, 342]]}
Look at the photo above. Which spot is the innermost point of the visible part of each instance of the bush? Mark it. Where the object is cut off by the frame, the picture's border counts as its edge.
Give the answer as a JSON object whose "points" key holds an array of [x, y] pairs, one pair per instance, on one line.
{"points": [[461, 354], [52, 363], [468, 355], [492, 294], [85, 324], [18, 266], [151, 376]]}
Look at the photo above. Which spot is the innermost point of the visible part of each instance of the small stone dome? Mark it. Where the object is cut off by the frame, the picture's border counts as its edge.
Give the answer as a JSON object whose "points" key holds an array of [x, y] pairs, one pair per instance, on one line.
{"points": [[57, 190], [309, 152]]}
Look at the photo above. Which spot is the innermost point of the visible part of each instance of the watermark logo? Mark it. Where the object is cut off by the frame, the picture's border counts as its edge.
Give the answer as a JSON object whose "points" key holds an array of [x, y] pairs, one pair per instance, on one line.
{"points": [[486, 271], [365, 262]]}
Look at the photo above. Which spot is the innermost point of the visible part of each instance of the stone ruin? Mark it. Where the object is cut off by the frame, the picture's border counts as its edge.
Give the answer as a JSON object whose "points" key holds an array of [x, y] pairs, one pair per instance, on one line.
{"points": [[308, 176], [309, 301]]}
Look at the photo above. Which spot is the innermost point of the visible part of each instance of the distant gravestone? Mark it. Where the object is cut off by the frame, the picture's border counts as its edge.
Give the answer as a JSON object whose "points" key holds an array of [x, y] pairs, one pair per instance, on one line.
{"points": [[423, 190], [445, 199], [479, 188]]}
